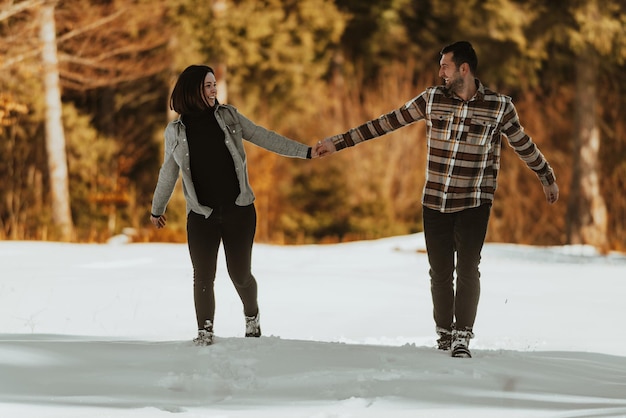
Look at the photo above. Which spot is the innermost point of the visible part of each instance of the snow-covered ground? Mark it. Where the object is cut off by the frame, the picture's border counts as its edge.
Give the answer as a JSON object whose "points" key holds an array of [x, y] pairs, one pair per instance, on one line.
{"points": [[104, 331]]}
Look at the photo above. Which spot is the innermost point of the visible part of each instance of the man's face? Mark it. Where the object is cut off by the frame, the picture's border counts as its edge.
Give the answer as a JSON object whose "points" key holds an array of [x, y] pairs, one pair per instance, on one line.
{"points": [[449, 72]]}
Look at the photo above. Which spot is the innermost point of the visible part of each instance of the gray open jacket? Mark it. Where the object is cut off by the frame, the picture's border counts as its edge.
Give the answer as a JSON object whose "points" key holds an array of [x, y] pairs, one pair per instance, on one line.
{"points": [[236, 127]]}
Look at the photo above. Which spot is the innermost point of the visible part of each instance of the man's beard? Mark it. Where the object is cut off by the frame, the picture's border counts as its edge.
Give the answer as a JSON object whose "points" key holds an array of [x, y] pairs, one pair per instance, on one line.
{"points": [[456, 85]]}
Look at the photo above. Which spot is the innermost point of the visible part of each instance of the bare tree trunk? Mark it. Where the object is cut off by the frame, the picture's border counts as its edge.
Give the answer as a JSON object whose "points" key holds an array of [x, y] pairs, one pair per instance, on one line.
{"points": [[219, 8], [55, 136], [587, 213]]}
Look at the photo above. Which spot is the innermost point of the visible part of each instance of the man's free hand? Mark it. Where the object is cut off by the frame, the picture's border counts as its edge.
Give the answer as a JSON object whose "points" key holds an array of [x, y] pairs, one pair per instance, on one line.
{"points": [[551, 192]]}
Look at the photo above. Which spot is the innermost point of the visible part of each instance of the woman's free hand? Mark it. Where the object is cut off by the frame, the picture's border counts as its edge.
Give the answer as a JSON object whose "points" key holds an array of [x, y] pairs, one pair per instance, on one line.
{"points": [[159, 222]]}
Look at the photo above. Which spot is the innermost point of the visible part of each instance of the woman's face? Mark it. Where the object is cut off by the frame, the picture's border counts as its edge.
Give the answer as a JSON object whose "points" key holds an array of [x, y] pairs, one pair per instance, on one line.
{"points": [[209, 89]]}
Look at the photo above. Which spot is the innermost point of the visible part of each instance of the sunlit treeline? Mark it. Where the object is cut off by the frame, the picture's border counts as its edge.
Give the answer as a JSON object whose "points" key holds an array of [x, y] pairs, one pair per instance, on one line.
{"points": [[309, 69]]}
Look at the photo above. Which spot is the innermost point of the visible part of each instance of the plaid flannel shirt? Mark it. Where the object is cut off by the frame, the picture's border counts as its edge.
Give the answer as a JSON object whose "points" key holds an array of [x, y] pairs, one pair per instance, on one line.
{"points": [[464, 144]]}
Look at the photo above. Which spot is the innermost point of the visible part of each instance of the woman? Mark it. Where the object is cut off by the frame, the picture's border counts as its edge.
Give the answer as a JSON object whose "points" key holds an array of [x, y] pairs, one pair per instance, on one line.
{"points": [[205, 143]]}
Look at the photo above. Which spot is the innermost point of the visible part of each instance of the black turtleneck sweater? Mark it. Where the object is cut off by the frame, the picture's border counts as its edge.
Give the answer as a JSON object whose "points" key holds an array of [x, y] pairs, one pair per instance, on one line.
{"points": [[212, 167]]}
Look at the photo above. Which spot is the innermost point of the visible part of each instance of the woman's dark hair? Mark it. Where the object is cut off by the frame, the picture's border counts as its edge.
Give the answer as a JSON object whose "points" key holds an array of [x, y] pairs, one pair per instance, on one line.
{"points": [[187, 95], [462, 51]]}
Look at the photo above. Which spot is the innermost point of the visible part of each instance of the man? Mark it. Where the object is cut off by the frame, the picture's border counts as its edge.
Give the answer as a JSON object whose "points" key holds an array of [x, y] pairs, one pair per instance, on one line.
{"points": [[465, 124]]}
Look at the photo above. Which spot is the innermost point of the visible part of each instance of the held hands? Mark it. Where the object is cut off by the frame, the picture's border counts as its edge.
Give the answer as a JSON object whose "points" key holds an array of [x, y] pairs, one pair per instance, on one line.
{"points": [[158, 222], [551, 192], [323, 148]]}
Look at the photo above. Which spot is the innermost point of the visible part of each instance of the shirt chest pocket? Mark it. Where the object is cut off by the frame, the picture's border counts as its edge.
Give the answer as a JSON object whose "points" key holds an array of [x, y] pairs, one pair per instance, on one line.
{"points": [[482, 129], [172, 147], [180, 153], [440, 124], [234, 129]]}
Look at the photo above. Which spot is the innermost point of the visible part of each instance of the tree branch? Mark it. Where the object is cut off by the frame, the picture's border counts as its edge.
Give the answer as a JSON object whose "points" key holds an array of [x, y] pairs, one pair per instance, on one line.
{"points": [[10, 62], [90, 26], [18, 8]]}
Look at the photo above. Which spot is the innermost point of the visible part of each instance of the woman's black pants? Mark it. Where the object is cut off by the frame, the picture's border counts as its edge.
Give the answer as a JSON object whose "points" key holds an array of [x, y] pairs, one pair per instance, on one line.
{"points": [[234, 226]]}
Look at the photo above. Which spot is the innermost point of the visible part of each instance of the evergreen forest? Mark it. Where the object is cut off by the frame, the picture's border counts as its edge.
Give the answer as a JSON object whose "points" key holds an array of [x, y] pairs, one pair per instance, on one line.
{"points": [[84, 100]]}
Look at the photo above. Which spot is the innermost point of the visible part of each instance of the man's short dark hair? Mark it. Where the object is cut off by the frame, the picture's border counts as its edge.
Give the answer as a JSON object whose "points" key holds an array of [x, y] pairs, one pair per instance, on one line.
{"points": [[187, 95], [462, 51]]}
